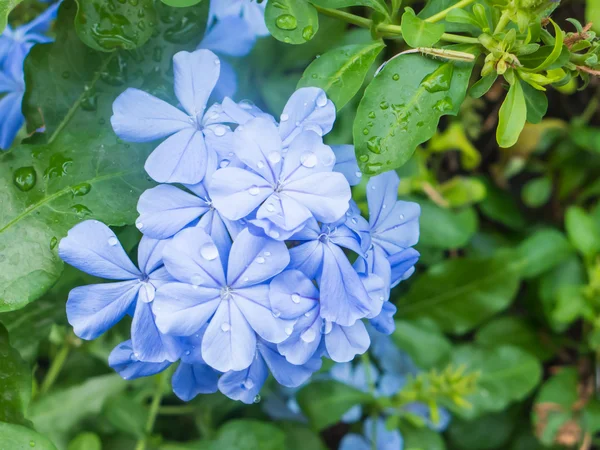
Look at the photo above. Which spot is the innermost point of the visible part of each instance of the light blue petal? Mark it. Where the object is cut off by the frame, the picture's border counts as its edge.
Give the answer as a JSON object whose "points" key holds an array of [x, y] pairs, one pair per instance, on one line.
{"points": [[292, 294], [305, 340], [124, 362], [354, 414], [245, 385], [95, 308], [241, 113], [306, 156], [307, 109], [344, 299], [150, 254], [345, 163], [326, 195], [192, 257], [230, 36], [237, 192], [354, 442], [149, 344], [403, 265], [287, 374], [196, 75], [281, 214], [254, 14], [227, 84], [215, 226], [229, 342], [165, 210], [141, 117], [308, 258], [92, 247], [400, 229], [220, 9], [181, 158], [310, 232], [192, 347], [12, 118], [384, 322], [255, 259], [344, 343], [254, 304], [181, 309], [382, 193], [258, 145], [345, 237], [190, 380], [385, 439], [378, 292], [391, 383]]}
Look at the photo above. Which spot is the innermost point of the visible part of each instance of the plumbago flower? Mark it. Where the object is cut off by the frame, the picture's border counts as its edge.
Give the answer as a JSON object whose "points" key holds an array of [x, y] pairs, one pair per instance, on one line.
{"points": [[258, 260], [252, 12]]}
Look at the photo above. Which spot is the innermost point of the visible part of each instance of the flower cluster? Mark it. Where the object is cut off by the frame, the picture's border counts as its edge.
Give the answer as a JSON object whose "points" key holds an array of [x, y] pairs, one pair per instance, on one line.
{"points": [[257, 260]]}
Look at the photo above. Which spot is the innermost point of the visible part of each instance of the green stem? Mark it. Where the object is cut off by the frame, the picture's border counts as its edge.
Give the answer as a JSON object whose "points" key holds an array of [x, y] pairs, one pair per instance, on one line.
{"points": [[442, 14], [389, 29], [55, 368], [367, 363], [154, 409], [504, 20]]}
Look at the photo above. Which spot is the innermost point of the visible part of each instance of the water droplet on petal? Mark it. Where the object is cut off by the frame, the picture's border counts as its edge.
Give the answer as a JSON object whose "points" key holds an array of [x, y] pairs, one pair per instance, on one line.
{"points": [[307, 314], [321, 100], [260, 260], [270, 207], [267, 254], [308, 159], [209, 251], [276, 313], [112, 241], [139, 225], [224, 163], [358, 174], [274, 157], [308, 336], [289, 330], [260, 164], [326, 327], [354, 221], [253, 190], [248, 384], [220, 130], [274, 234], [187, 352], [196, 280], [284, 117], [225, 327], [257, 399], [296, 298], [401, 216]]}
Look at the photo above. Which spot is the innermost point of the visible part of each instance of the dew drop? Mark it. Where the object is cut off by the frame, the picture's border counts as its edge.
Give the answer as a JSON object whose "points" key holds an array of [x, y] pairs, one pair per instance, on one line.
{"points": [[354, 221], [288, 330], [253, 190], [112, 241], [187, 352], [267, 254], [209, 251], [395, 77], [224, 163], [274, 234], [260, 164], [363, 158], [326, 327], [286, 22], [196, 280], [307, 33], [358, 174], [284, 117], [276, 313], [401, 216], [321, 100], [220, 130], [139, 225], [296, 298], [53, 243], [24, 178], [248, 384], [274, 157], [260, 260], [307, 314], [308, 336], [257, 399], [32, 443], [225, 327], [308, 159], [270, 207]]}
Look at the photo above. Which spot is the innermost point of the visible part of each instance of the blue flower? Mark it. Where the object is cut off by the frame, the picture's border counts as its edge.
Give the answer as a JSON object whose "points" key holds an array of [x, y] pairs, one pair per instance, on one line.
{"points": [[376, 436], [93, 248], [123, 360], [286, 185], [294, 297], [251, 11], [344, 298], [189, 151], [232, 293]]}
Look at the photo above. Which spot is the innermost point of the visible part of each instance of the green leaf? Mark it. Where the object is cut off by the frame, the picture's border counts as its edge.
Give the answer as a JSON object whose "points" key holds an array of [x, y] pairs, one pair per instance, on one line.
{"points": [[108, 26], [582, 230], [512, 116], [300, 437], [418, 33], [592, 14], [553, 56], [377, 5], [6, 6], [292, 21], [17, 437], [517, 332], [483, 85], [421, 438], [460, 294], [462, 191], [126, 415], [85, 441], [402, 106], [444, 228], [15, 383], [423, 342], [325, 402], [248, 435], [341, 72], [488, 432], [540, 252], [537, 103], [506, 374], [49, 416], [181, 3], [537, 192], [501, 207]]}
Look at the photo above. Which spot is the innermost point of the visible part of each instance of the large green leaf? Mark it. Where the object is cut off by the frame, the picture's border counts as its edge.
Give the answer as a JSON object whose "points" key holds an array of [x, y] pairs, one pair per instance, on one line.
{"points": [[56, 413], [108, 26], [341, 72], [377, 5], [6, 6], [17, 437], [445, 228], [325, 402], [488, 432], [418, 33], [402, 106], [15, 383], [512, 116], [292, 21], [506, 374], [462, 293], [583, 231], [249, 435], [423, 342], [541, 251]]}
